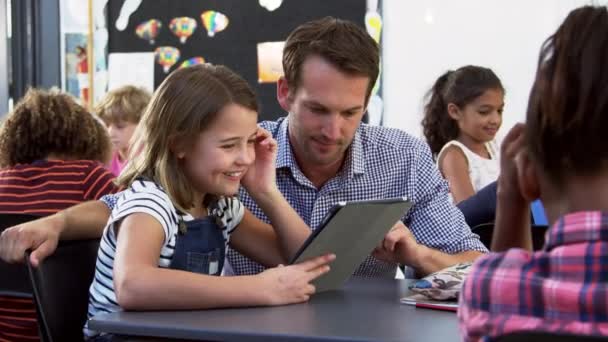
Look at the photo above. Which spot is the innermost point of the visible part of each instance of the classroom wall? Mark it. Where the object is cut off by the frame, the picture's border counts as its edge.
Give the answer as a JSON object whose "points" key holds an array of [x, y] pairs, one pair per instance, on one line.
{"points": [[423, 39]]}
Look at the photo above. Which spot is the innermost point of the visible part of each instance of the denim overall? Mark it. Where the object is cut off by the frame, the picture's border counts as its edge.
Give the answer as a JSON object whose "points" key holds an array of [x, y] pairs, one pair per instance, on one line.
{"points": [[199, 247]]}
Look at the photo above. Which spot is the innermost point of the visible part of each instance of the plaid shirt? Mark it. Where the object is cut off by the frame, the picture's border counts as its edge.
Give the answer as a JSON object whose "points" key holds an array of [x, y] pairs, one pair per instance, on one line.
{"points": [[562, 288], [381, 163]]}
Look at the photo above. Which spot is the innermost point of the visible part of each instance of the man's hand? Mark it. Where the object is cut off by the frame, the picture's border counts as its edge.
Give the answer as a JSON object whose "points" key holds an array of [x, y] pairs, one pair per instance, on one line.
{"points": [[399, 246]]}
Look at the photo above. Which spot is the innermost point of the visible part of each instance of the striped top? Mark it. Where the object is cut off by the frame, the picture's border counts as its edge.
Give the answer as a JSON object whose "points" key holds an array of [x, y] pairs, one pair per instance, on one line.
{"points": [[45, 187], [562, 288], [149, 198]]}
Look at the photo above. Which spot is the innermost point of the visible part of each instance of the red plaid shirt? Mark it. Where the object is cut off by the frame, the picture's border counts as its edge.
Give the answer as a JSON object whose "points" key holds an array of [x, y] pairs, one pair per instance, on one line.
{"points": [[562, 288]]}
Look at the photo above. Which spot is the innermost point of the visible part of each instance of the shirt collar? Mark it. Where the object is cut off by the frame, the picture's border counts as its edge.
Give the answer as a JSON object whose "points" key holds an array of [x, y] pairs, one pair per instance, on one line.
{"points": [[354, 163], [577, 227], [285, 157]]}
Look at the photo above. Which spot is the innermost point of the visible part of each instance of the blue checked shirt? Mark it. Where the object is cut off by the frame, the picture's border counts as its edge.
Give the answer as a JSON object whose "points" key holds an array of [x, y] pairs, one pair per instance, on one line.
{"points": [[381, 163]]}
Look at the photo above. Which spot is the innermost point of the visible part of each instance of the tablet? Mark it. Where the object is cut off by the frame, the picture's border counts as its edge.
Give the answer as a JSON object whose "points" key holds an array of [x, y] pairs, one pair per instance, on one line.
{"points": [[351, 231]]}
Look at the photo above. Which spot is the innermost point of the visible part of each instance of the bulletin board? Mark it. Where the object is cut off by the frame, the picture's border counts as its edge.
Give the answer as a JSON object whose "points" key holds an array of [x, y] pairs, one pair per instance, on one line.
{"points": [[235, 45]]}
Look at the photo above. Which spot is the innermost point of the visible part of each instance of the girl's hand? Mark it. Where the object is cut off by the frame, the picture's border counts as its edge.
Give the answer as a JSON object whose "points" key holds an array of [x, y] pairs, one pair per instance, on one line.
{"points": [[512, 224], [291, 284], [511, 150], [261, 175]]}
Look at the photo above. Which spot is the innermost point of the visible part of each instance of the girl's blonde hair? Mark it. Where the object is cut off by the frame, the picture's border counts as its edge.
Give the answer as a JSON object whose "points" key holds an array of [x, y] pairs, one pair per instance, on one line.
{"points": [[123, 104], [183, 106]]}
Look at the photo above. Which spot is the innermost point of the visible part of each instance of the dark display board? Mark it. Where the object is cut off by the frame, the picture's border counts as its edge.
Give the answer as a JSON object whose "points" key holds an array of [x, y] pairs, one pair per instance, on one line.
{"points": [[236, 46]]}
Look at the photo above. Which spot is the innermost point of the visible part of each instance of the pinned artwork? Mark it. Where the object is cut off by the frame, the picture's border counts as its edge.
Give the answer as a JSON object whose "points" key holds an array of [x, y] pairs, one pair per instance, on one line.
{"points": [[271, 5], [214, 22], [373, 24], [149, 30], [128, 8], [182, 27], [192, 61], [270, 66], [166, 56]]}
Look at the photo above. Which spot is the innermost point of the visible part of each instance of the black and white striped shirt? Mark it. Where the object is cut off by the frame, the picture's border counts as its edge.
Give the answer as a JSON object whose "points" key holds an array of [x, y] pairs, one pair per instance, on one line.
{"points": [[149, 198]]}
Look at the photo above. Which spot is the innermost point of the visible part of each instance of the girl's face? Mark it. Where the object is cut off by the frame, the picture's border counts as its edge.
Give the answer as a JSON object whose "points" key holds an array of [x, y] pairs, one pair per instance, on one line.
{"points": [[120, 135], [217, 160], [481, 118]]}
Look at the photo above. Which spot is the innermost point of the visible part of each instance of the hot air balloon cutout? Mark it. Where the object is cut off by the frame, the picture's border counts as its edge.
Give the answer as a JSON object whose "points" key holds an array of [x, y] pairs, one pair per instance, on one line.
{"points": [[214, 22], [182, 27], [149, 30], [166, 56], [192, 61]]}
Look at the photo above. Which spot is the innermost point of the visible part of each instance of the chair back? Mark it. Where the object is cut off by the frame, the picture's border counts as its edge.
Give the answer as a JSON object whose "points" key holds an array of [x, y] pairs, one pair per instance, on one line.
{"points": [[537, 336], [486, 230], [61, 289], [15, 280]]}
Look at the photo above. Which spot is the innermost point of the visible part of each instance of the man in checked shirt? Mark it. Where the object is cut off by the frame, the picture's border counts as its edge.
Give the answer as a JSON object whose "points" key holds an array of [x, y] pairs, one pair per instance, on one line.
{"points": [[326, 155]]}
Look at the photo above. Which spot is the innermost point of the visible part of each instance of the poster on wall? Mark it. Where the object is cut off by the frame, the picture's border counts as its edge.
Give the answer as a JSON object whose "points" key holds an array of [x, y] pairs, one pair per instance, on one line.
{"points": [[270, 67], [133, 68], [243, 35], [76, 75]]}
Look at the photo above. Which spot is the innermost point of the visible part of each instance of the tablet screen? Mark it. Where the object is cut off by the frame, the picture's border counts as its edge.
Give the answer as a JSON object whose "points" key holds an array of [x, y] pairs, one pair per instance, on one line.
{"points": [[351, 230]]}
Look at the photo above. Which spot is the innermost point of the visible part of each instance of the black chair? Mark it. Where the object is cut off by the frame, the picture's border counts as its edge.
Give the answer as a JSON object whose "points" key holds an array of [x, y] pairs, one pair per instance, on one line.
{"points": [[15, 280], [486, 230], [537, 336], [61, 289]]}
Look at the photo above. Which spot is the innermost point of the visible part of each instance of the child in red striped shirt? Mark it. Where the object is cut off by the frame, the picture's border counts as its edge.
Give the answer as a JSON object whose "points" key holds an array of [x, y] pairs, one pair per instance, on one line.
{"points": [[52, 156]]}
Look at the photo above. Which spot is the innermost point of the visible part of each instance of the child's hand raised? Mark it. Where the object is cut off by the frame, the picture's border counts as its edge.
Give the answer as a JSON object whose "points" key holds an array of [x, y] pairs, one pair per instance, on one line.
{"points": [[291, 284], [260, 177], [511, 150]]}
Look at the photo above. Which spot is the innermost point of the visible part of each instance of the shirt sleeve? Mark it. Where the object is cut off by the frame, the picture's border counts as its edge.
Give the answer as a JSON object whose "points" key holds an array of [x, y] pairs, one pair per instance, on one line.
{"points": [[491, 298], [109, 200], [150, 201], [434, 220], [98, 182]]}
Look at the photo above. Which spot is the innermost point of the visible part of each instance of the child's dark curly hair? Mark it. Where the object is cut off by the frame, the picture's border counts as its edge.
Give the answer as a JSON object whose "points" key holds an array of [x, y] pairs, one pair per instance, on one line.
{"points": [[51, 123]]}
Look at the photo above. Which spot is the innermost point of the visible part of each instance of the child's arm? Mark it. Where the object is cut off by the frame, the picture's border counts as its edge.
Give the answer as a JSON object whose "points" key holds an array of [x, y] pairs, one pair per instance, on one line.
{"points": [[82, 221], [266, 244], [455, 169], [255, 238], [141, 285], [512, 226]]}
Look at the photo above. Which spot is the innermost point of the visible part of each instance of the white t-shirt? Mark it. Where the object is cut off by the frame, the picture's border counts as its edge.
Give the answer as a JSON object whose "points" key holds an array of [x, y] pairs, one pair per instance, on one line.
{"points": [[146, 197], [482, 171]]}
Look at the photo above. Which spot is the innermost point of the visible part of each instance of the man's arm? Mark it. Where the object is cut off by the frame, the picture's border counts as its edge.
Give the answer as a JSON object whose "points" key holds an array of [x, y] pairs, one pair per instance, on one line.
{"points": [[83, 221], [439, 235]]}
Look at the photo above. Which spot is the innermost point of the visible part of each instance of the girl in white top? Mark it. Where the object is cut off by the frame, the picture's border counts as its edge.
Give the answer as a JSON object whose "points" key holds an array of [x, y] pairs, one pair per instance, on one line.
{"points": [[462, 115], [196, 144]]}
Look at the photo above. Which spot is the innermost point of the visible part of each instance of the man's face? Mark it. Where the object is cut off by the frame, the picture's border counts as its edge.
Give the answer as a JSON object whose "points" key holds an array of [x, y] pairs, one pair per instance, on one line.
{"points": [[325, 111]]}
